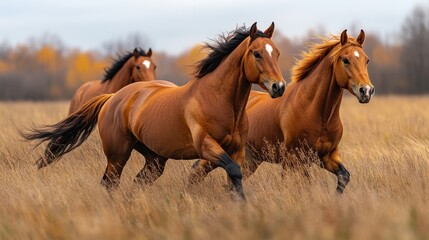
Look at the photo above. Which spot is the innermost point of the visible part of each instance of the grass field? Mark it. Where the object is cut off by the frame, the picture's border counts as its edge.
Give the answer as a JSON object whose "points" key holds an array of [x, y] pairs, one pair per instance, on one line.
{"points": [[385, 147]]}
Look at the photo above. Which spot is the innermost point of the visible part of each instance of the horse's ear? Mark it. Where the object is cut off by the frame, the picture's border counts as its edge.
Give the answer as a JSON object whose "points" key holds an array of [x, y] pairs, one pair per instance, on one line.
{"points": [[253, 30], [361, 38], [149, 52], [344, 38], [270, 30], [136, 53]]}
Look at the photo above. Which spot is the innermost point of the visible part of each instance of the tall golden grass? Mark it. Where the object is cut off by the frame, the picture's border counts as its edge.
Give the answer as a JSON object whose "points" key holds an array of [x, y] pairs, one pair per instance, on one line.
{"points": [[385, 147]]}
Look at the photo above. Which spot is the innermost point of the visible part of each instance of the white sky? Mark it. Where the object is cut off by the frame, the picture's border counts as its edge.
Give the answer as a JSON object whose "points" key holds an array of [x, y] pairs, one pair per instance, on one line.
{"points": [[174, 26]]}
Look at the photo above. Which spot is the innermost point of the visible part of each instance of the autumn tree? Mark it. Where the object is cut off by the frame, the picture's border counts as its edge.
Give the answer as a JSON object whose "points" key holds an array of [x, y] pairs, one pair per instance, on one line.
{"points": [[83, 67], [415, 50], [189, 59]]}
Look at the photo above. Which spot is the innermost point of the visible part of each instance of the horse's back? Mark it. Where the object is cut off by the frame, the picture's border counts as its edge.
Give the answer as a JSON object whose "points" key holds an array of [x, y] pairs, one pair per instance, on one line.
{"points": [[138, 93], [153, 83], [85, 92], [255, 98]]}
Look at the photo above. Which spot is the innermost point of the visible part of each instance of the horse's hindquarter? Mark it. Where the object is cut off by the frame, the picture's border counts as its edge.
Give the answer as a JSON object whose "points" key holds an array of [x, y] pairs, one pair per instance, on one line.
{"points": [[157, 120], [83, 94]]}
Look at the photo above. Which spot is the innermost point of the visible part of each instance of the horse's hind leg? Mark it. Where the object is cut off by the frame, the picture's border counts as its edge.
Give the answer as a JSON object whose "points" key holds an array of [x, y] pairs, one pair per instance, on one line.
{"points": [[200, 169], [115, 164], [154, 166], [117, 150]]}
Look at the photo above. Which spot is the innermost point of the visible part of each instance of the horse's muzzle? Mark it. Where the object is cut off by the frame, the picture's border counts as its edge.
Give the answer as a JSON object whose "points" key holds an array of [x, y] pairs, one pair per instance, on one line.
{"points": [[365, 93], [275, 89]]}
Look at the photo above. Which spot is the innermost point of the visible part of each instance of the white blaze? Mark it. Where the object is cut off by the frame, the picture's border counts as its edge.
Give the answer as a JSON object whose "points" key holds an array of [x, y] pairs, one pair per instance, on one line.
{"points": [[356, 54], [269, 49], [146, 63]]}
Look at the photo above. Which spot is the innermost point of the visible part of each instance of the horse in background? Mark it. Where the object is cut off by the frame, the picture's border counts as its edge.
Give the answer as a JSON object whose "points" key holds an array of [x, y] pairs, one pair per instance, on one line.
{"points": [[131, 67], [309, 110], [204, 118]]}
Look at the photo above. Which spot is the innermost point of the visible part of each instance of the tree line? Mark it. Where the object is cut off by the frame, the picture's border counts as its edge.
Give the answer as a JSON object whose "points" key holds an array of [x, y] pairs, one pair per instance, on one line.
{"points": [[45, 69]]}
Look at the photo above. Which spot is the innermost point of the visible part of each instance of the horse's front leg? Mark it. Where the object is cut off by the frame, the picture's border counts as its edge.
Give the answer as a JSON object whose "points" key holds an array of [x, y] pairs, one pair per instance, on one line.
{"points": [[332, 162], [239, 157], [210, 150]]}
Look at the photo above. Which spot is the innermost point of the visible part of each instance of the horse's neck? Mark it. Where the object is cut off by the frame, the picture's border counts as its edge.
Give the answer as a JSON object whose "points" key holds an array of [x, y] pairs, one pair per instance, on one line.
{"points": [[120, 79], [324, 92], [229, 81]]}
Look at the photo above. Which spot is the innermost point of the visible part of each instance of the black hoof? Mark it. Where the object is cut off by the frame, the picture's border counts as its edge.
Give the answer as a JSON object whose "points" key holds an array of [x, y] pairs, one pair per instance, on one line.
{"points": [[343, 178]]}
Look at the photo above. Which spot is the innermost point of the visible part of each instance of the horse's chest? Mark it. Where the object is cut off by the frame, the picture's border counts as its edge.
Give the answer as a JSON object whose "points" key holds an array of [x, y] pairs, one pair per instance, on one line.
{"points": [[326, 141], [323, 139], [228, 131], [229, 137], [323, 145]]}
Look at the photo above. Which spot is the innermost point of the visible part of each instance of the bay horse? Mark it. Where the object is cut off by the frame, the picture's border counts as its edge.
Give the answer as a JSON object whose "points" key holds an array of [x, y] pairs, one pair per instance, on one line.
{"points": [[204, 118], [131, 67], [309, 110]]}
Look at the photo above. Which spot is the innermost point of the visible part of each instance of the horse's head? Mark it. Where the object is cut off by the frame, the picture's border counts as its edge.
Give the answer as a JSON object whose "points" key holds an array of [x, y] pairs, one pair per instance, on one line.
{"points": [[143, 67], [261, 62], [351, 67]]}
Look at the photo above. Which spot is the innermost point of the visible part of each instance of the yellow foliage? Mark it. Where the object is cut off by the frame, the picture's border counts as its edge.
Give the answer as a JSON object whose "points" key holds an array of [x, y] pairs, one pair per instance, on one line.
{"points": [[83, 67], [99, 66], [4, 67], [190, 58], [82, 63], [48, 57]]}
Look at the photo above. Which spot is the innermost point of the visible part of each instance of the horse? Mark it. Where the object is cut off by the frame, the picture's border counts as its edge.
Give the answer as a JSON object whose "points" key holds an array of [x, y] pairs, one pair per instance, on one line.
{"points": [[204, 118], [307, 115], [131, 67]]}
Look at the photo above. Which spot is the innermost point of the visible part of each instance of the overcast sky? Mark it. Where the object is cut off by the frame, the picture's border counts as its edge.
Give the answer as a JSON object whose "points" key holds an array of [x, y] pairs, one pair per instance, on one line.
{"points": [[174, 26]]}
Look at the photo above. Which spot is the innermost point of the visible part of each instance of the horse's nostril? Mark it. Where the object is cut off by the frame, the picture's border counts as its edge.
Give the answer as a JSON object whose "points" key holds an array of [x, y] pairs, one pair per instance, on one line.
{"points": [[362, 90], [372, 91], [275, 87]]}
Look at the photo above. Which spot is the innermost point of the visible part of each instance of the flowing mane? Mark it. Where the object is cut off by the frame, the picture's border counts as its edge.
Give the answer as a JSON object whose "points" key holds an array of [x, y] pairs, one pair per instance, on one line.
{"points": [[311, 58], [117, 64], [221, 48]]}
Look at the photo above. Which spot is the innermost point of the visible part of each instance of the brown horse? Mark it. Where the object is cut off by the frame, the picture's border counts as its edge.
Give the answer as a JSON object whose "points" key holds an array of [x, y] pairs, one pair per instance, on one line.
{"points": [[132, 67], [204, 118], [309, 110]]}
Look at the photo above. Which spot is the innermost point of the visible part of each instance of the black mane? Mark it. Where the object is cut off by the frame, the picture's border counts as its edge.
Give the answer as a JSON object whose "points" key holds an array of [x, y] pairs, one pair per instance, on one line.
{"points": [[117, 64], [222, 48]]}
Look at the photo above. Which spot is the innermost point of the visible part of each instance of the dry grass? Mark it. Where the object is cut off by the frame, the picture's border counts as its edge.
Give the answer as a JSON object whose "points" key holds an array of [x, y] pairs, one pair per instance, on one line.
{"points": [[385, 147]]}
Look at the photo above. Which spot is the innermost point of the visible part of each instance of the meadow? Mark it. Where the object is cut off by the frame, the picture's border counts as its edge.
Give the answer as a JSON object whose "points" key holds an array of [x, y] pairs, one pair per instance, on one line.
{"points": [[385, 147]]}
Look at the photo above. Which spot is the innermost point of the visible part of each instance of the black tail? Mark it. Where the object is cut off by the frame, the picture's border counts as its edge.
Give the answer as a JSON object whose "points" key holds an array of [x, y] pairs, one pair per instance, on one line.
{"points": [[69, 133]]}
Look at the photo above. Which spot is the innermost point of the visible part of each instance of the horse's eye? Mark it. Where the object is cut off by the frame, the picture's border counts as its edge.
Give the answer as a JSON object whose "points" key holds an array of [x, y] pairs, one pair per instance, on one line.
{"points": [[367, 61], [346, 61], [257, 55], [154, 66], [138, 67]]}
